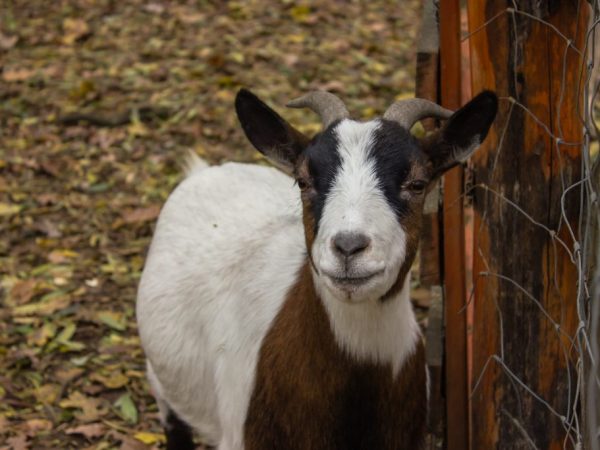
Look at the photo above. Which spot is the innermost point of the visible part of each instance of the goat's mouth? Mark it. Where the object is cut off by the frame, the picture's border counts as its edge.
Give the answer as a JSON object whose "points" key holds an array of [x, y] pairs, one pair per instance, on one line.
{"points": [[349, 282]]}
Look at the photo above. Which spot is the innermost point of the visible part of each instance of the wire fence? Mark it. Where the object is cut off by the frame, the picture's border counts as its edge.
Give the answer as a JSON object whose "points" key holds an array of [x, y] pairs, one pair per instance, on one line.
{"points": [[579, 416]]}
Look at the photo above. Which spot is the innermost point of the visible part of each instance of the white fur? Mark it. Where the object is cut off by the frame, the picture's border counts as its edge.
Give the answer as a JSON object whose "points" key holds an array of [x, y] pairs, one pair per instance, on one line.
{"points": [[379, 332], [227, 246]]}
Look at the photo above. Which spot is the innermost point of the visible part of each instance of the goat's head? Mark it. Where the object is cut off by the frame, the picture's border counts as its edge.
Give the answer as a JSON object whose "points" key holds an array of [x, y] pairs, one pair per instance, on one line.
{"points": [[363, 183]]}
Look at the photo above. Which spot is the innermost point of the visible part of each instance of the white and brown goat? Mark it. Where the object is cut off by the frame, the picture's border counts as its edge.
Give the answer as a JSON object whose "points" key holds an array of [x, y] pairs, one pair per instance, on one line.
{"points": [[277, 316]]}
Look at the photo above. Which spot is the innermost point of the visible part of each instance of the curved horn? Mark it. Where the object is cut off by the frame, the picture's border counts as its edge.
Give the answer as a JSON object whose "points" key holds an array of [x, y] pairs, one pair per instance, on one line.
{"points": [[325, 104], [407, 112]]}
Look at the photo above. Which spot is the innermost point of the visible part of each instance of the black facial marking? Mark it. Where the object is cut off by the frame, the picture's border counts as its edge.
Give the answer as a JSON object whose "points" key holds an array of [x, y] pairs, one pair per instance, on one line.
{"points": [[323, 164], [394, 152]]}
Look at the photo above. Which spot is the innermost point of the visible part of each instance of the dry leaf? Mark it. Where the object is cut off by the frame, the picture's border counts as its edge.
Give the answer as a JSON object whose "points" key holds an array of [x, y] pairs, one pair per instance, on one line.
{"points": [[141, 214], [91, 409], [18, 442], [91, 430], [114, 381], [22, 291], [66, 375], [17, 74], [34, 426], [7, 42], [74, 30]]}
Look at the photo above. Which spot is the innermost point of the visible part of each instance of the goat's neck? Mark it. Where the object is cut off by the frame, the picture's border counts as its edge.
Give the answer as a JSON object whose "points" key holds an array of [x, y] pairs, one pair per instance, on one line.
{"points": [[382, 332]]}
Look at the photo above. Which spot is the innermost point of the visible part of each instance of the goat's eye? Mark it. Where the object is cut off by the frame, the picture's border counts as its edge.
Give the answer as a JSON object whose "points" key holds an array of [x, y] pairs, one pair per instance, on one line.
{"points": [[303, 184], [417, 186]]}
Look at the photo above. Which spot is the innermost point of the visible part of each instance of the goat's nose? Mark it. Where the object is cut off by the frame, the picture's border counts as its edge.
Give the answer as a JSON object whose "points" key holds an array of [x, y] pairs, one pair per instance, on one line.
{"points": [[349, 244]]}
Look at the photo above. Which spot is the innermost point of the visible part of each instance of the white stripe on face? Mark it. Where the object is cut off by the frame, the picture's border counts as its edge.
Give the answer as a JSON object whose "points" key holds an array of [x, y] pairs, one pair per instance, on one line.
{"points": [[356, 204]]}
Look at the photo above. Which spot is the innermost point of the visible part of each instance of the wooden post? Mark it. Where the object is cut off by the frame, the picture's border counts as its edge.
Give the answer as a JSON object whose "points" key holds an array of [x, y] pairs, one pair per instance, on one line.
{"points": [[515, 260], [457, 422], [427, 86], [430, 264]]}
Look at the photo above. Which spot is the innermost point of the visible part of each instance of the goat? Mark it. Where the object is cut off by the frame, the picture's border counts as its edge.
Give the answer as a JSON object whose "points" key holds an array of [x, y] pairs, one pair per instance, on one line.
{"points": [[279, 318]]}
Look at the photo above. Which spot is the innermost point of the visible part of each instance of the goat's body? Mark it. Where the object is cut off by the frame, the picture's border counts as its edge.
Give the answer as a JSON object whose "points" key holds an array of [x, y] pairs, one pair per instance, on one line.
{"points": [[228, 245], [274, 319], [227, 252]]}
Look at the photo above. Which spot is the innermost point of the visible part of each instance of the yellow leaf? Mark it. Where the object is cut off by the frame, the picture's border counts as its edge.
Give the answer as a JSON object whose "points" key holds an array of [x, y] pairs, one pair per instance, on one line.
{"points": [[43, 308], [300, 13], [403, 96], [379, 68], [149, 438], [237, 57], [7, 209], [115, 380], [137, 128], [295, 38], [369, 112]]}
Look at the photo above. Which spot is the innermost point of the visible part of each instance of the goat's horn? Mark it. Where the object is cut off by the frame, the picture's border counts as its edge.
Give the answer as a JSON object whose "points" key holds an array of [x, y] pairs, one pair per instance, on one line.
{"points": [[407, 112], [326, 105]]}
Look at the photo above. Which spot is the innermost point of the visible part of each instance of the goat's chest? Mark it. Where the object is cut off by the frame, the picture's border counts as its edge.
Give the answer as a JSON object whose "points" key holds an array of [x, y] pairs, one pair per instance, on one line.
{"points": [[308, 394]]}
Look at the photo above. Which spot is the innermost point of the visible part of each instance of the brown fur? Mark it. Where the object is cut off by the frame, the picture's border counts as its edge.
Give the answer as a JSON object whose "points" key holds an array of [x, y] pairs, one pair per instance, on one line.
{"points": [[412, 227], [310, 395]]}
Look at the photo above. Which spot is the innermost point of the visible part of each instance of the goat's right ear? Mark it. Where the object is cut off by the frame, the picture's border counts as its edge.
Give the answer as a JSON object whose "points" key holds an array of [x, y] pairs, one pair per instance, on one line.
{"points": [[462, 134], [275, 138]]}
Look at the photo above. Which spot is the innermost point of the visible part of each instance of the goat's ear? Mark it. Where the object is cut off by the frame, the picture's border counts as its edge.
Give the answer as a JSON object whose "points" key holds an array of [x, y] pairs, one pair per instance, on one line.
{"points": [[268, 131], [462, 134]]}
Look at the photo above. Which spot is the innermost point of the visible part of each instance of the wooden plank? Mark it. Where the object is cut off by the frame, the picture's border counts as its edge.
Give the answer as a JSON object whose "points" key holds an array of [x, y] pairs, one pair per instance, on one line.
{"points": [[427, 86], [430, 264], [457, 423], [526, 171]]}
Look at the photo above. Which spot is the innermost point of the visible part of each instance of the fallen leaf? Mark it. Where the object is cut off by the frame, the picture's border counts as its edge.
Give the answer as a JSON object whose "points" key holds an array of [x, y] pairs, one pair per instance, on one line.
{"points": [[128, 443], [91, 409], [91, 430], [7, 42], [4, 424], [22, 291], [141, 214], [18, 442], [74, 30], [47, 394], [66, 375], [42, 335], [113, 319], [7, 209], [127, 408], [300, 13], [61, 256], [44, 307], [114, 381], [149, 438], [17, 74], [34, 426]]}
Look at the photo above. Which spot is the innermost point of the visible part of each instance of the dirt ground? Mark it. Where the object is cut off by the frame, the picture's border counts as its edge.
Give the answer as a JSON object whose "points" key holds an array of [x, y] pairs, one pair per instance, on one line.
{"points": [[99, 100]]}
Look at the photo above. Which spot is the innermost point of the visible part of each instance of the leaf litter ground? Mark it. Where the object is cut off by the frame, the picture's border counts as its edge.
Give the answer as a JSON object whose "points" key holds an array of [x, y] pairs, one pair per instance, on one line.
{"points": [[99, 100]]}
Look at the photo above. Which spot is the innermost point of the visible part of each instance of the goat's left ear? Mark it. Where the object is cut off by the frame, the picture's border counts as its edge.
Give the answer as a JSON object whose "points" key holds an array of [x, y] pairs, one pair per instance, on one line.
{"points": [[462, 134], [270, 134]]}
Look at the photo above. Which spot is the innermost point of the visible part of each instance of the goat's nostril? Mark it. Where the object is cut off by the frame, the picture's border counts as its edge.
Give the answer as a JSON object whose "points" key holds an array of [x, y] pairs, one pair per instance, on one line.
{"points": [[350, 243]]}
